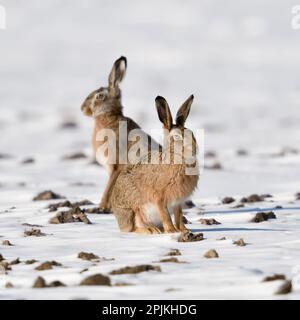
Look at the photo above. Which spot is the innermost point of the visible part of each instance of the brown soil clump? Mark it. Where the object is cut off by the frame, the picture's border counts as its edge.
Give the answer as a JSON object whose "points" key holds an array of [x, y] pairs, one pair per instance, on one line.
{"points": [[171, 259], [240, 243], [174, 252], [285, 288], [188, 236], [263, 216], [209, 222], [96, 280], [87, 256], [47, 195], [136, 269], [48, 265], [7, 243], [228, 200], [274, 277], [72, 215], [34, 233], [210, 254], [75, 156]]}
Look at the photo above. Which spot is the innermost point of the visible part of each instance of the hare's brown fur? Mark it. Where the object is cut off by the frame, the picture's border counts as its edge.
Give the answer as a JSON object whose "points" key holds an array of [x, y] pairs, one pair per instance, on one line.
{"points": [[105, 106], [143, 188]]}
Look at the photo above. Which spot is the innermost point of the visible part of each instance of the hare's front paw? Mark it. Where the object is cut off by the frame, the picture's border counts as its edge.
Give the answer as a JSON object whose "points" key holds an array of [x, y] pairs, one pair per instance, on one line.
{"points": [[154, 229], [171, 229]]}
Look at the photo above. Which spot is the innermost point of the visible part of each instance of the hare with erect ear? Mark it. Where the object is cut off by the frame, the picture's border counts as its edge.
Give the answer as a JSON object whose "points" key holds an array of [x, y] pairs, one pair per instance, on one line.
{"points": [[105, 106], [144, 194]]}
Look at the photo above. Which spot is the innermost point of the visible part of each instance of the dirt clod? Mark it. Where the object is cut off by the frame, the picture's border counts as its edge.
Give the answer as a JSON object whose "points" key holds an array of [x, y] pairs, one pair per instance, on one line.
{"points": [[84, 202], [297, 196], [87, 256], [209, 222], [274, 277], [174, 252], [47, 195], [212, 253], [69, 125], [239, 205], [1, 257], [48, 265], [34, 233], [171, 259], [75, 156], [96, 280], [67, 204], [215, 166], [39, 283], [55, 284], [253, 198], [72, 215], [28, 161], [188, 236], [240, 242], [9, 285], [189, 204], [285, 288], [16, 261], [185, 220], [136, 269], [7, 243], [263, 216], [210, 154], [228, 200], [64, 204], [31, 261], [5, 156], [242, 152]]}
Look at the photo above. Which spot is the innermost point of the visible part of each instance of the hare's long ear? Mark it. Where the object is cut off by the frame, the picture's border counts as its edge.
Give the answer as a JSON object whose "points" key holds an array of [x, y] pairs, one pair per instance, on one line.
{"points": [[118, 72], [164, 112], [184, 111]]}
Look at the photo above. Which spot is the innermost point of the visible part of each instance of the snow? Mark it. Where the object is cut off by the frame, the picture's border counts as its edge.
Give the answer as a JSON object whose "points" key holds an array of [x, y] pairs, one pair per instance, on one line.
{"points": [[242, 64]]}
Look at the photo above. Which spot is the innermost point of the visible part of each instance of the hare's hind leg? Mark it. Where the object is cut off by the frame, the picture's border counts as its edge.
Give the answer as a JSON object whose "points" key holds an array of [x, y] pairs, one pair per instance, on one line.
{"points": [[128, 221], [125, 218], [143, 226]]}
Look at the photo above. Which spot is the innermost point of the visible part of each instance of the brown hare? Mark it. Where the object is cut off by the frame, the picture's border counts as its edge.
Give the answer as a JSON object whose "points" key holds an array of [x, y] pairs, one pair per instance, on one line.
{"points": [[143, 194], [105, 106]]}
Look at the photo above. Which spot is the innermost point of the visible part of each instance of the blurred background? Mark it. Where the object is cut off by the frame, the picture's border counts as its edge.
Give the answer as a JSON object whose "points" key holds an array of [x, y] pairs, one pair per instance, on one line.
{"points": [[241, 60]]}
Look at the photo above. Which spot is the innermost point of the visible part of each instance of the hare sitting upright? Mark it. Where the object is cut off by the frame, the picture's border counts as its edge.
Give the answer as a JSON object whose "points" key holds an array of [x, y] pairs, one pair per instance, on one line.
{"points": [[143, 194], [105, 106]]}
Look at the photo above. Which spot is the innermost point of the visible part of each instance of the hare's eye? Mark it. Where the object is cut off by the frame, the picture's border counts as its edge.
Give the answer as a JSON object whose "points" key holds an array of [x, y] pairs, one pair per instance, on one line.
{"points": [[101, 96]]}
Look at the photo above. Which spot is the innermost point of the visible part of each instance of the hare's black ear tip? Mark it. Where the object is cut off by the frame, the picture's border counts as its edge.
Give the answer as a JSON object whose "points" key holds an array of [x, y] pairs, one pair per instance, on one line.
{"points": [[122, 58], [192, 97], [159, 98]]}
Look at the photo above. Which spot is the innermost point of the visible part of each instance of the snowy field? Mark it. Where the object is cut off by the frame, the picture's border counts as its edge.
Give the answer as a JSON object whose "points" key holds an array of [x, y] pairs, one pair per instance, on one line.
{"points": [[242, 63]]}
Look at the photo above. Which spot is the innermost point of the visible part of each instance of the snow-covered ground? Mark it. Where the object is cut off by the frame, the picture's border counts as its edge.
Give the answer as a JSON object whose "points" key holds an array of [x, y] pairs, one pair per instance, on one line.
{"points": [[241, 61]]}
